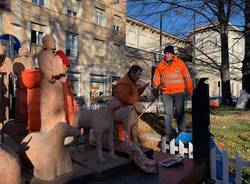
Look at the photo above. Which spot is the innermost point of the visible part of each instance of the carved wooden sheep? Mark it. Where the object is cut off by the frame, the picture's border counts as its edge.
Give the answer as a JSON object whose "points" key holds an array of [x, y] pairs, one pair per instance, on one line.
{"points": [[101, 121], [47, 152], [129, 116]]}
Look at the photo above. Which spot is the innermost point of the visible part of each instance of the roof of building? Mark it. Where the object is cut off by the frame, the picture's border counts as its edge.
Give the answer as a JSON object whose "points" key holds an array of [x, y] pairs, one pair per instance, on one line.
{"points": [[142, 24], [210, 26]]}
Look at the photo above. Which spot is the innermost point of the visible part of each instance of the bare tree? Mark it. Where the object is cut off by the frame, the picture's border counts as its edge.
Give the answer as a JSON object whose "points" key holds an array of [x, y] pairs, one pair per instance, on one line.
{"points": [[246, 61], [215, 12]]}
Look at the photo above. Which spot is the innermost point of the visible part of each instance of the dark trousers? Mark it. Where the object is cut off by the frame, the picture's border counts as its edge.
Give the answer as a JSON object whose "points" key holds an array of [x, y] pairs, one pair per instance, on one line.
{"points": [[174, 103]]}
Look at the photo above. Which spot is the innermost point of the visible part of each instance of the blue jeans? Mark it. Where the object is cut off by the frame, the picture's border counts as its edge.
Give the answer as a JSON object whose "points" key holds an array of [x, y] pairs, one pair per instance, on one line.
{"points": [[174, 103]]}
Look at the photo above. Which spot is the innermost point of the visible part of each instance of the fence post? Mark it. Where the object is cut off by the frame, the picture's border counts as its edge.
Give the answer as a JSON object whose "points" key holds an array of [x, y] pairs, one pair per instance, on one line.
{"points": [[238, 168], [181, 147], [200, 125], [172, 147], [213, 163], [190, 150], [225, 166], [163, 144]]}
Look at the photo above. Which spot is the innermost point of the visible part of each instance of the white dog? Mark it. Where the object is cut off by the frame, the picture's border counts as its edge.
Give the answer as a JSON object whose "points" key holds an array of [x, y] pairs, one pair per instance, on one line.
{"points": [[129, 116], [101, 121]]}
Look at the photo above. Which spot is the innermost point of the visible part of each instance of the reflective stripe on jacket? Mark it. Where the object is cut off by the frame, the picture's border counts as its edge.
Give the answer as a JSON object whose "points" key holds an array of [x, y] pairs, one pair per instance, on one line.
{"points": [[173, 78]]}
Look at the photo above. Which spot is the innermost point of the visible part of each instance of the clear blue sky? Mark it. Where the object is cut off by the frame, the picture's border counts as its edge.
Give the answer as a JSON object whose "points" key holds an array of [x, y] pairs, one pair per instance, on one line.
{"points": [[173, 22]]}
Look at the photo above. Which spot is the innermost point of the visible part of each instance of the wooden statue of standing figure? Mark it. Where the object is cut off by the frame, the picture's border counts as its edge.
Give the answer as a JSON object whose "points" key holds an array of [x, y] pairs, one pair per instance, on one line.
{"points": [[21, 63], [5, 67], [51, 88]]}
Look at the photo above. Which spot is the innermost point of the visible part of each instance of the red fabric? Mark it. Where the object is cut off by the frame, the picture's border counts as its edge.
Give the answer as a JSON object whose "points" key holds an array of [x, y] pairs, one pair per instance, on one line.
{"points": [[21, 110], [63, 56], [71, 107], [33, 102], [31, 80], [120, 132]]}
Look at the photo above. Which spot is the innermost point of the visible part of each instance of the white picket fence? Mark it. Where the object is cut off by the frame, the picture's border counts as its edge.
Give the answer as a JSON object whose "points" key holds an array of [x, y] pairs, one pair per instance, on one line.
{"points": [[173, 149], [149, 107], [95, 106], [226, 161]]}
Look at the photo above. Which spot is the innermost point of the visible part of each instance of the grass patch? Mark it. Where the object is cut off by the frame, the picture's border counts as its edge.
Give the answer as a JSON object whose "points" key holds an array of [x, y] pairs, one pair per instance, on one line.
{"points": [[228, 125], [225, 110], [231, 130], [227, 136]]}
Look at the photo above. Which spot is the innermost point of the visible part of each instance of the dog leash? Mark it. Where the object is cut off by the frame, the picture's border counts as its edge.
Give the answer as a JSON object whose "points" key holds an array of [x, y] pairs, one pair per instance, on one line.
{"points": [[144, 110]]}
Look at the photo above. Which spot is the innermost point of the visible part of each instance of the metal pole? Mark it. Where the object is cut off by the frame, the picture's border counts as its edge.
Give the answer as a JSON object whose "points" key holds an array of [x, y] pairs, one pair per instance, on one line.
{"points": [[193, 53], [161, 15]]}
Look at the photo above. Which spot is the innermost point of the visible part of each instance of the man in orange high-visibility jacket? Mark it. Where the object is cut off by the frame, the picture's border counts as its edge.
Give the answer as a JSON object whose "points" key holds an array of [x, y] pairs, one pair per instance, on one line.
{"points": [[173, 79]]}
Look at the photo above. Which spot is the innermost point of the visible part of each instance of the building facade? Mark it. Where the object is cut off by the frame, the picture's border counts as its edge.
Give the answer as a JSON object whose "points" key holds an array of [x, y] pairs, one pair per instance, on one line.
{"points": [[91, 32], [101, 42], [208, 58], [145, 37]]}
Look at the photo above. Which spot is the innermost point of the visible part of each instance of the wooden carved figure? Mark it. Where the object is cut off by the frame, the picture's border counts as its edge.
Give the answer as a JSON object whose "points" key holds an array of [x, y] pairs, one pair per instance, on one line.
{"points": [[51, 89], [101, 121], [6, 67], [129, 117], [10, 170], [21, 63], [47, 152]]}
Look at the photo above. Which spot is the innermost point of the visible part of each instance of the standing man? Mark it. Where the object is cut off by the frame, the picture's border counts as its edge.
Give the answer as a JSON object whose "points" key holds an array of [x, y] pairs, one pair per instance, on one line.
{"points": [[173, 79], [127, 92]]}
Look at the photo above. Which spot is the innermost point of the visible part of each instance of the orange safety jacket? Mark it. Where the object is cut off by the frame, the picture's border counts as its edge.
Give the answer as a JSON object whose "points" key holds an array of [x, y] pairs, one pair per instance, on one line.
{"points": [[173, 78], [127, 92]]}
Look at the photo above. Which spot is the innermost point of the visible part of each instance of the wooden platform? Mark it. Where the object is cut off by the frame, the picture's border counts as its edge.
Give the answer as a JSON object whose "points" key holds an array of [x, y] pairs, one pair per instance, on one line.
{"points": [[123, 171], [99, 171], [189, 172], [86, 168]]}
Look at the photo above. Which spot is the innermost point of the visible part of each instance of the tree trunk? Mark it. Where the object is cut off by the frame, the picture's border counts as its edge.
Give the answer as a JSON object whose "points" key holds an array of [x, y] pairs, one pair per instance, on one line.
{"points": [[224, 70], [246, 61]]}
